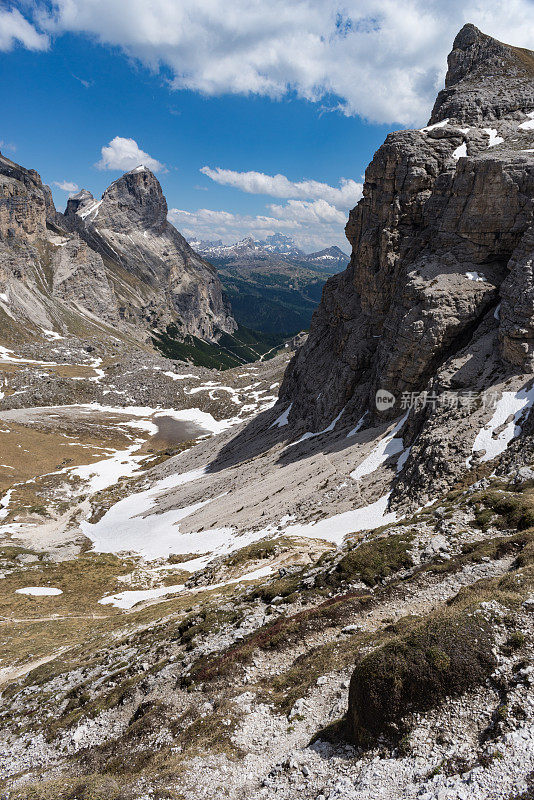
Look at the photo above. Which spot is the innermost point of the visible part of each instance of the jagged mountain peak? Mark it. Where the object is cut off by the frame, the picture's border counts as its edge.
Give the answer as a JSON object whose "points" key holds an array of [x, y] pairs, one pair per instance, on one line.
{"points": [[134, 198], [128, 227], [474, 52], [116, 260], [333, 251], [439, 294], [77, 203], [486, 79]]}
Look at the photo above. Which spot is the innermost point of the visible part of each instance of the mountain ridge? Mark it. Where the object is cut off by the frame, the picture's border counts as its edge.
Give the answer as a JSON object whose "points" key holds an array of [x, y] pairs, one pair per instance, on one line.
{"points": [[272, 284], [331, 596], [112, 261]]}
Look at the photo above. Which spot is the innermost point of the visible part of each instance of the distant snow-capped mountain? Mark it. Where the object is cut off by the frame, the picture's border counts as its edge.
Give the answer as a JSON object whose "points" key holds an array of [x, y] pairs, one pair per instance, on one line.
{"points": [[278, 244]]}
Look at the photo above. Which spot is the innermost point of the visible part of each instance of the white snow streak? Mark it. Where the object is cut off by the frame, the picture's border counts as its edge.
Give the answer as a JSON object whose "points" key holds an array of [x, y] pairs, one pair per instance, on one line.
{"points": [[388, 446], [511, 404], [283, 418]]}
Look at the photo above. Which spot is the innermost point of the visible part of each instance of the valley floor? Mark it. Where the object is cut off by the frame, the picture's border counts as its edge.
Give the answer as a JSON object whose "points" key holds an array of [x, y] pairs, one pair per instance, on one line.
{"points": [[188, 585]]}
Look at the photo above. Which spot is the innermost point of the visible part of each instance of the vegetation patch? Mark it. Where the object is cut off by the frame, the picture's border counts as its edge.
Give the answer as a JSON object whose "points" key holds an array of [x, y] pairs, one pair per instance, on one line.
{"points": [[441, 658], [279, 634], [515, 509], [372, 561], [258, 551], [232, 349], [91, 787]]}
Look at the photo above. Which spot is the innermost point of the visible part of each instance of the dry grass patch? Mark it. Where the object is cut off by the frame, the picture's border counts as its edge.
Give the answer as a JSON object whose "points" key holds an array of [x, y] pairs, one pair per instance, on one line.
{"points": [[32, 452]]}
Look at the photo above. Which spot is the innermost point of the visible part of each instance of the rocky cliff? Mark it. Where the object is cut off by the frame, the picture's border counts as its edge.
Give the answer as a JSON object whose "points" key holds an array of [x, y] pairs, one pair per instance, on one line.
{"points": [[113, 262], [128, 227], [438, 295], [48, 279]]}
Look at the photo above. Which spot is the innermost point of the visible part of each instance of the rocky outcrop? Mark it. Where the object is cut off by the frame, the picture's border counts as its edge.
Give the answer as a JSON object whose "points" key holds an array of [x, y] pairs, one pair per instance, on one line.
{"points": [[516, 312], [115, 261], [486, 80], [129, 228], [23, 201], [441, 268]]}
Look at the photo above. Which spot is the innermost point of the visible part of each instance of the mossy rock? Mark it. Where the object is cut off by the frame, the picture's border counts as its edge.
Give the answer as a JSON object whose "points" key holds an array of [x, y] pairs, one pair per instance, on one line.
{"points": [[516, 509], [416, 672], [372, 561]]}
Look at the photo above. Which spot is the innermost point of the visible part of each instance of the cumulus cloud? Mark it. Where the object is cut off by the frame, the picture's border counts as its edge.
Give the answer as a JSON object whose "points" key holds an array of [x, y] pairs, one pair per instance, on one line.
{"points": [[380, 59], [346, 196], [293, 219], [67, 186], [14, 28], [315, 212], [125, 154]]}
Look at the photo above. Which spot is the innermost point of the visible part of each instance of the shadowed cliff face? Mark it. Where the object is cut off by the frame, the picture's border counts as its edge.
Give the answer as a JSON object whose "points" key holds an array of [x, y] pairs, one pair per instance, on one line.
{"points": [[440, 238], [22, 201]]}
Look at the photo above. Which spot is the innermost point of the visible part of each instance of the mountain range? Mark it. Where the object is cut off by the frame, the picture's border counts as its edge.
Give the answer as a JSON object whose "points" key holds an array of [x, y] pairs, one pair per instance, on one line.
{"points": [[118, 264], [277, 243], [311, 576], [273, 286]]}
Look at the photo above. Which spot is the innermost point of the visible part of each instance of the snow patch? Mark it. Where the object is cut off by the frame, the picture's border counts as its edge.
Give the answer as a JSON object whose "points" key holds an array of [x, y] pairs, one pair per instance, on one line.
{"points": [[4, 501], [493, 137], [388, 446], [90, 209], [126, 528], [329, 429], [434, 126], [128, 599], [283, 418], [334, 529], [359, 424], [176, 377], [511, 404], [529, 123], [460, 152], [39, 591], [475, 276]]}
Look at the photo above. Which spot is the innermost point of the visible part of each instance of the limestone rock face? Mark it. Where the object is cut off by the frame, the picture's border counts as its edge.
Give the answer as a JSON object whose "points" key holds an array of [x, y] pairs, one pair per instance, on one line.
{"points": [[128, 227], [486, 80], [23, 201], [115, 261], [439, 292]]}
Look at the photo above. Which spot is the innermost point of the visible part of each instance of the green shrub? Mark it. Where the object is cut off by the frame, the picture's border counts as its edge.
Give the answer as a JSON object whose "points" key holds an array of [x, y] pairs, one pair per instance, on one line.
{"points": [[415, 672], [373, 561]]}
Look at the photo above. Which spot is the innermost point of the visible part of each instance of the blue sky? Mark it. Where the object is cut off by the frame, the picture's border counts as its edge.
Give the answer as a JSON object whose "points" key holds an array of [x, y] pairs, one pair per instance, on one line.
{"points": [[194, 90]]}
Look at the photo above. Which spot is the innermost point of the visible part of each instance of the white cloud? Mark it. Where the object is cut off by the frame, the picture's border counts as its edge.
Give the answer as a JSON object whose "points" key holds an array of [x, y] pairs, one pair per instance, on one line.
{"points": [[7, 146], [315, 212], [315, 222], [125, 154], [311, 224], [346, 196], [382, 59], [86, 84], [15, 28], [67, 186]]}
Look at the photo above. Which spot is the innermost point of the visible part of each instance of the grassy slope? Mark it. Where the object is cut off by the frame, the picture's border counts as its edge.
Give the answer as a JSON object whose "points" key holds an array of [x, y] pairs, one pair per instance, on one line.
{"points": [[242, 347]]}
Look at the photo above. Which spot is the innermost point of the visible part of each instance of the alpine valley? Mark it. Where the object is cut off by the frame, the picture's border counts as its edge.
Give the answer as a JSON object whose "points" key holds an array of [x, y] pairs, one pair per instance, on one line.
{"points": [[272, 284], [239, 562]]}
